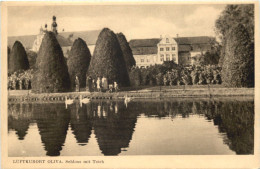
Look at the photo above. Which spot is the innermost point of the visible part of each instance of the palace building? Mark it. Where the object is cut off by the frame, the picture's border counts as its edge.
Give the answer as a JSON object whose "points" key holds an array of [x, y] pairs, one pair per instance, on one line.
{"points": [[64, 43], [181, 50]]}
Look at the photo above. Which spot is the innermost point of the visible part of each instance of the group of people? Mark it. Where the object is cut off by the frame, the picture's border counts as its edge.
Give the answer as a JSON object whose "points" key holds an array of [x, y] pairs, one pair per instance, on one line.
{"points": [[99, 85], [20, 80]]}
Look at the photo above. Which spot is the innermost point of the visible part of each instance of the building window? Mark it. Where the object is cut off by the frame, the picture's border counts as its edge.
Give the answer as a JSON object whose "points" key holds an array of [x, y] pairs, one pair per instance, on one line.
{"points": [[147, 60], [161, 49], [167, 40], [167, 49], [173, 48], [161, 58], [173, 57], [142, 60], [167, 57]]}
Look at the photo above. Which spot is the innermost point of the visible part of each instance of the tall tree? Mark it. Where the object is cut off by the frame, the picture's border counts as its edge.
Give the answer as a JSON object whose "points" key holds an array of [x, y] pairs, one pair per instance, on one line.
{"points": [[238, 64], [127, 51], [78, 62], [108, 59], [233, 15], [18, 58], [51, 74]]}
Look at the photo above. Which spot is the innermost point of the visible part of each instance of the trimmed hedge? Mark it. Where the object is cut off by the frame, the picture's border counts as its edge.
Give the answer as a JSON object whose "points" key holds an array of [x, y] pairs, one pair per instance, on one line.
{"points": [[18, 58], [51, 74], [108, 59], [127, 51], [78, 62], [169, 74], [32, 58]]}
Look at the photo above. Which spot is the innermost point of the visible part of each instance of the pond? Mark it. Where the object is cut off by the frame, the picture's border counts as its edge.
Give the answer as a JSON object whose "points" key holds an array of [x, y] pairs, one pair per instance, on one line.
{"points": [[192, 126]]}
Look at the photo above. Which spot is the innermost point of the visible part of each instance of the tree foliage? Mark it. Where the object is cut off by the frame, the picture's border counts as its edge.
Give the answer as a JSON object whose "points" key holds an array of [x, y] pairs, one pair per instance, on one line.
{"points": [[31, 58], [212, 56], [108, 59], [51, 74], [78, 62], [231, 16], [18, 58], [238, 64], [127, 51], [234, 14]]}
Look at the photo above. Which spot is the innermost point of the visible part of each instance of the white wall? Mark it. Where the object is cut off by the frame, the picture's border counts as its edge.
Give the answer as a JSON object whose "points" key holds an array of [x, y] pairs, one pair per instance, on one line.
{"points": [[148, 60]]}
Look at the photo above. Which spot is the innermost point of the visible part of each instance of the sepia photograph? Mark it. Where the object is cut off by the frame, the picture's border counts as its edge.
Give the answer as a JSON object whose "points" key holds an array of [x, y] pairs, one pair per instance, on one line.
{"points": [[125, 79]]}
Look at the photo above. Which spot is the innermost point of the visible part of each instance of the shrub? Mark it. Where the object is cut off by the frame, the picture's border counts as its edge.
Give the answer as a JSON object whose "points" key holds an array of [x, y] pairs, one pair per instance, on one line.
{"points": [[51, 74], [78, 62], [135, 77], [127, 51], [238, 65], [108, 59], [18, 58], [195, 77], [31, 58]]}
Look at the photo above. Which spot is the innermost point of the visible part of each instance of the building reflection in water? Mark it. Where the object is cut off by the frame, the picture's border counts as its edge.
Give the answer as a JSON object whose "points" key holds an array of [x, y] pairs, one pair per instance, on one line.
{"points": [[114, 124]]}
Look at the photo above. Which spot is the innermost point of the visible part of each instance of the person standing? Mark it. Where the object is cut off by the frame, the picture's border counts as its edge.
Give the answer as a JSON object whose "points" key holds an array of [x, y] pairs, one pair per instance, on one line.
{"points": [[115, 86], [26, 82], [110, 88], [77, 84], [104, 83], [89, 83], [94, 85], [98, 84], [20, 84]]}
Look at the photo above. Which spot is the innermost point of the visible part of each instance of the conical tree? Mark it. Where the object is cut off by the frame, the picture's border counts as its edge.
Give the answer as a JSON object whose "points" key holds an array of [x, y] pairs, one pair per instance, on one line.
{"points": [[108, 59], [238, 64], [127, 51], [78, 62], [18, 58], [51, 74]]}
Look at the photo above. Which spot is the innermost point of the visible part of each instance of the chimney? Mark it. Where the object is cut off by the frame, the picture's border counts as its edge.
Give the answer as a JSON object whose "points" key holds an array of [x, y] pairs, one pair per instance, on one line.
{"points": [[177, 35]]}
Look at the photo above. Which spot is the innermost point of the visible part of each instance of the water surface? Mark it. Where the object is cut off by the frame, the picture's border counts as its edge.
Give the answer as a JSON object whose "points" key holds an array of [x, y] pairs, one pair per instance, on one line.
{"points": [[219, 126]]}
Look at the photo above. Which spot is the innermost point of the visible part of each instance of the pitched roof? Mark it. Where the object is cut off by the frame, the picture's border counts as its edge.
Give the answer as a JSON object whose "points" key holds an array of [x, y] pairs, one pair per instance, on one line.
{"points": [[185, 44], [63, 41], [194, 40], [89, 36], [144, 46], [27, 40], [144, 50], [184, 48], [144, 42]]}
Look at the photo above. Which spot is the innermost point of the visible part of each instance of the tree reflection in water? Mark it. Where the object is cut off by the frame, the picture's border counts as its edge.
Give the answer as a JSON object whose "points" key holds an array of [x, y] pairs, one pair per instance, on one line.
{"points": [[18, 120], [114, 124], [81, 122], [52, 121], [113, 129]]}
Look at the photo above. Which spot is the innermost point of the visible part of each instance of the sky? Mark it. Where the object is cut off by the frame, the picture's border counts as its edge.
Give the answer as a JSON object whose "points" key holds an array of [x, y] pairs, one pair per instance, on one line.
{"points": [[135, 21]]}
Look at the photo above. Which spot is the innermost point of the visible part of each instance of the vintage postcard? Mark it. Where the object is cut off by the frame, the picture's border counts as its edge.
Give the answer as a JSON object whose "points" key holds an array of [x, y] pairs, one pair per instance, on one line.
{"points": [[130, 84]]}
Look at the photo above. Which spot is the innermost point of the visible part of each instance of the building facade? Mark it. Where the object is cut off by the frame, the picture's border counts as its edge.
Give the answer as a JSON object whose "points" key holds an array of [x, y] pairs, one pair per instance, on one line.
{"points": [[181, 50], [167, 50]]}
